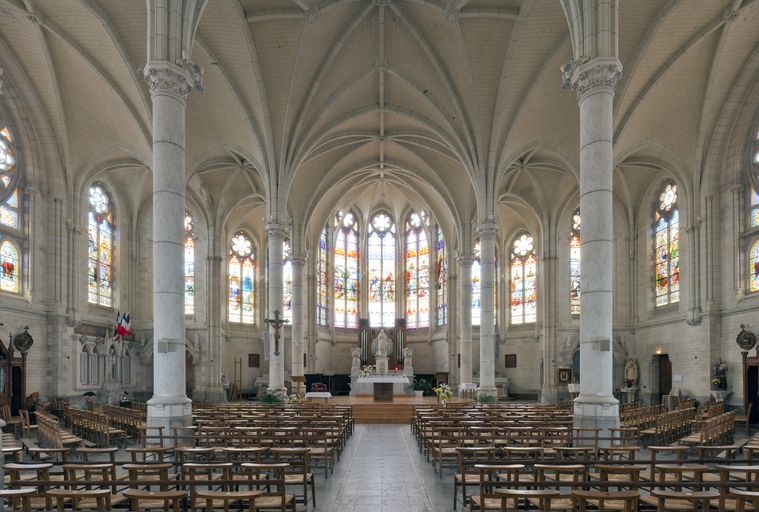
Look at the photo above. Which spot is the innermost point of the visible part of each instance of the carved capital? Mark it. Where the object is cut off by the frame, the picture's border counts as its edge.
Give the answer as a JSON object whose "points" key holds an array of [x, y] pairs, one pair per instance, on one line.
{"points": [[298, 260], [465, 261], [276, 230], [596, 74], [167, 78], [487, 230]]}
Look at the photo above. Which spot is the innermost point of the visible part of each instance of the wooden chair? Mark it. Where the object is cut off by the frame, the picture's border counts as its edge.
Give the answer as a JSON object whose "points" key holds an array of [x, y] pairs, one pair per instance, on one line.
{"points": [[564, 473], [299, 470], [226, 498], [468, 458], [540, 497], [92, 473], [166, 500], [742, 498], [20, 499], [205, 474], [26, 423], [150, 472], [92, 499], [696, 501], [18, 473], [492, 476], [625, 501], [11, 421], [736, 476], [272, 478]]}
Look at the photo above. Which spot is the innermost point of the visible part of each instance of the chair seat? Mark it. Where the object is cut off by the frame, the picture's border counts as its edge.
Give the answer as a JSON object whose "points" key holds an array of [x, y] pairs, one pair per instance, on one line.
{"points": [[490, 503], [473, 478], [91, 503], [609, 504], [295, 478], [731, 505], [273, 501], [670, 504], [560, 504]]}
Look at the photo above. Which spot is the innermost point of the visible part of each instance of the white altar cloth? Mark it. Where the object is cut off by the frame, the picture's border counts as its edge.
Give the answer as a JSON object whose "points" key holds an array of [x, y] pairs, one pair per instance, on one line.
{"points": [[318, 394], [389, 379]]}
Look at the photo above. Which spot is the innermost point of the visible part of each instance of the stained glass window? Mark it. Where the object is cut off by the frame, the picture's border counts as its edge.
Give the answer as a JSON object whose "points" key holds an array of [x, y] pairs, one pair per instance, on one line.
{"points": [[754, 213], [9, 215], [523, 280], [241, 275], [574, 265], [442, 279], [287, 283], [754, 267], [189, 264], [346, 270], [476, 277], [7, 159], [667, 247], [9, 263], [100, 229], [417, 271], [323, 284], [381, 271]]}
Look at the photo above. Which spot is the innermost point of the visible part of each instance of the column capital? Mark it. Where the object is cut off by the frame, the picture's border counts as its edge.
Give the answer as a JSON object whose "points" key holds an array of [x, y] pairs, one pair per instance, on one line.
{"points": [[276, 230], [465, 260], [601, 73], [163, 77], [298, 260], [487, 230]]}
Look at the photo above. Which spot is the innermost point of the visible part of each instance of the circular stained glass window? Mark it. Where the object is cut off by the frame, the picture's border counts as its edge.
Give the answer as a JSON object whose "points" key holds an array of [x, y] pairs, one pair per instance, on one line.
{"points": [[523, 245], [381, 222], [576, 222], [8, 172], [241, 245], [99, 200], [668, 198]]}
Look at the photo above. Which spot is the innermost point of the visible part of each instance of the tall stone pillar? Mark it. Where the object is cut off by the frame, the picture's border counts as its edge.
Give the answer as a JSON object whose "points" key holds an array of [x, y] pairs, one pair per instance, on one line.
{"points": [[169, 87], [276, 235], [487, 231], [465, 319], [299, 284], [594, 84]]}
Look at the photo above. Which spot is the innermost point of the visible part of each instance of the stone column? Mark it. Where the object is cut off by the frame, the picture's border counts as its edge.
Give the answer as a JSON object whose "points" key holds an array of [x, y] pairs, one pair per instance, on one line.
{"points": [[594, 84], [169, 87], [465, 319], [487, 231], [299, 284], [276, 235]]}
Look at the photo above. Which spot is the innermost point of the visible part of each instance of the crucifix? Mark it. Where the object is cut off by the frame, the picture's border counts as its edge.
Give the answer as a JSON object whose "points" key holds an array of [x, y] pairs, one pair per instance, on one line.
{"points": [[277, 324]]}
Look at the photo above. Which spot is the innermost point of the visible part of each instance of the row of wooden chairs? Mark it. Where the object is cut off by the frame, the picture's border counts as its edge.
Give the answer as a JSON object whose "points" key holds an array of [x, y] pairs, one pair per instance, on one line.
{"points": [[95, 426], [52, 435], [716, 430], [670, 426]]}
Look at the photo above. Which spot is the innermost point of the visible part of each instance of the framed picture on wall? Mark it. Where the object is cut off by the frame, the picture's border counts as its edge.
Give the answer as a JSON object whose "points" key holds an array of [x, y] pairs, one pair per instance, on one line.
{"points": [[254, 360], [510, 360], [563, 376]]}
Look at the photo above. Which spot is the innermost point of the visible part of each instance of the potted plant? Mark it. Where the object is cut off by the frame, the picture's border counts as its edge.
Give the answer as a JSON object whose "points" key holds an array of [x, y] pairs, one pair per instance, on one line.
{"points": [[420, 386]]}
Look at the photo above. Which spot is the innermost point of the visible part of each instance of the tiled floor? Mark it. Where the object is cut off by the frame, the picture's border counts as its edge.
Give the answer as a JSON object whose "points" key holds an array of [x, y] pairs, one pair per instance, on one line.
{"points": [[381, 469]]}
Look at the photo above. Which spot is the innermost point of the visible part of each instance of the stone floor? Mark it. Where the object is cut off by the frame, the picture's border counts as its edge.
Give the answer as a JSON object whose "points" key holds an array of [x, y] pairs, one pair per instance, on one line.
{"points": [[381, 469]]}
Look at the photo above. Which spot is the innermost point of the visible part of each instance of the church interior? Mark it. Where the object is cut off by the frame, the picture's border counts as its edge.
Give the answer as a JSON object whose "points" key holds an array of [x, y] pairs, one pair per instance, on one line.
{"points": [[379, 214]]}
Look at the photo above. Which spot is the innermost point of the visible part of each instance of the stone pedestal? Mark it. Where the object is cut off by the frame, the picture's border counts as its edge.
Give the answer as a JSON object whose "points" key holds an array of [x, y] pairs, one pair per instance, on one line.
{"points": [[720, 395], [631, 394], [382, 367]]}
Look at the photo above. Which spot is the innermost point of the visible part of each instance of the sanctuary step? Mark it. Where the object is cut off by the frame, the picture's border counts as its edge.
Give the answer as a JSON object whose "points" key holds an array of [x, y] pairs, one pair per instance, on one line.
{"points": [[383, 412]]}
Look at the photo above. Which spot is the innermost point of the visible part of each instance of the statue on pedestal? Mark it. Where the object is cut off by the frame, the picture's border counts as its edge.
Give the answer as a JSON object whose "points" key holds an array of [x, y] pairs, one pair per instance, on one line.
{"points": [[356, 361], [631, 372], [382, 344], [408, 362]]}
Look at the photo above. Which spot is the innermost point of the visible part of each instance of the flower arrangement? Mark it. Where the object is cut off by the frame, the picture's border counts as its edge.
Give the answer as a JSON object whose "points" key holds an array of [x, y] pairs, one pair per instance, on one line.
{"points": [[443, 392], [293, 399], [366, 371]]}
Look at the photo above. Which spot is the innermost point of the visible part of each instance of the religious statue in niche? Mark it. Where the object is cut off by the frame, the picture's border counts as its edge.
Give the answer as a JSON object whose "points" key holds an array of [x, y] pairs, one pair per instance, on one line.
{"points": [[408, 362], [631, 372], [382, 344], [356, 361], [719, 375]]}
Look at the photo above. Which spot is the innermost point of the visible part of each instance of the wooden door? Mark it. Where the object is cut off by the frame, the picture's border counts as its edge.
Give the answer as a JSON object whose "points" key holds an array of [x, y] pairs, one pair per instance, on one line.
{"points": [[189, 374], [753, 392], [665, 376]]}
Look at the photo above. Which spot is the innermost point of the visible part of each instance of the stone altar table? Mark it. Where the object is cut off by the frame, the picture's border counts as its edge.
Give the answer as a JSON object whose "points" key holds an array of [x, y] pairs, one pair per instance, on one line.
{"points": [[384, 387]]}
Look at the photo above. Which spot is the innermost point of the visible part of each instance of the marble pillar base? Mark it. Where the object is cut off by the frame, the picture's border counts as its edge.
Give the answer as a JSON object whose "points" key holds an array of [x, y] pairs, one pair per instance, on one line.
{"points": [[168, 412], [597, 412], [487, 391]]}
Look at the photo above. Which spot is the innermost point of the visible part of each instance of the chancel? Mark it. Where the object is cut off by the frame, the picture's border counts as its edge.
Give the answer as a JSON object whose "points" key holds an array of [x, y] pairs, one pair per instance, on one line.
{"points": [[375, 250]]}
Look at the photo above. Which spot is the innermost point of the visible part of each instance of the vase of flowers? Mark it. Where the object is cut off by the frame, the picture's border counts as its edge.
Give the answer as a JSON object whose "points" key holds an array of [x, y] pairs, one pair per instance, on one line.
{"points": [[444, 393], [293, 400], [366, 371]]}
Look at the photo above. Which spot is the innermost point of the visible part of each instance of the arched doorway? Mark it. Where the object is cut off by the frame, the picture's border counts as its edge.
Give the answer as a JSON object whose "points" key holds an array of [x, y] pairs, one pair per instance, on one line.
{"points": [[189, 374]]}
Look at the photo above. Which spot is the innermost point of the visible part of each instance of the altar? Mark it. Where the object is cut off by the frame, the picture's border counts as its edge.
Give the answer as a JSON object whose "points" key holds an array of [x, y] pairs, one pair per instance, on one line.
{"points": [[383, 387]]}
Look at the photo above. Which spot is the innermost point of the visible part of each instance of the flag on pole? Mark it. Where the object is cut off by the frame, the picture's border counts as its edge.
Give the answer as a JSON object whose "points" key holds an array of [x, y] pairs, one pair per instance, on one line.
{"points": [[123, 326]]}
